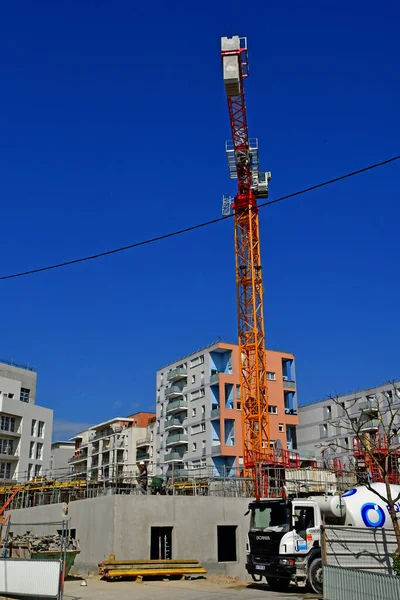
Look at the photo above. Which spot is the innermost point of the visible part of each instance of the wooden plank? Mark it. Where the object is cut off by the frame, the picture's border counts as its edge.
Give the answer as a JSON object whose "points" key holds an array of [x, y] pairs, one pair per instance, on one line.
{"points": [[153, 573], [149, 562], [134, 565]]}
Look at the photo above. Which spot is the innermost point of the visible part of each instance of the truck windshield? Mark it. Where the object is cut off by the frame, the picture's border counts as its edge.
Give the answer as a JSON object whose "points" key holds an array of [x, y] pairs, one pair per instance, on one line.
{"points": [[271, 517]]}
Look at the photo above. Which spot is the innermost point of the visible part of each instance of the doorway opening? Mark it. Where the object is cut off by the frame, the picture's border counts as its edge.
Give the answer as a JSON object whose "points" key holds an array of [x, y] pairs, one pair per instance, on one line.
{"points": [[161, 543]]}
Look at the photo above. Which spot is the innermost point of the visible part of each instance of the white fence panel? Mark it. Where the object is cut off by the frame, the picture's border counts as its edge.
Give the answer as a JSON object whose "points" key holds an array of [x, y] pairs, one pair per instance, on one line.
{"points": [[38, 578]]}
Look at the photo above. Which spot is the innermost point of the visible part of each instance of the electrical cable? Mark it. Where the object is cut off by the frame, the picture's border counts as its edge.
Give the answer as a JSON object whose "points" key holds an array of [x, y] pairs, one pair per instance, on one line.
{"points": [[199, 225]]}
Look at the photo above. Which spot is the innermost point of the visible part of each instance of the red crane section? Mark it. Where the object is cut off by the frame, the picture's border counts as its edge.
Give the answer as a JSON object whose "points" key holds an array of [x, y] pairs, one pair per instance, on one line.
{"points": [[242, 155]]}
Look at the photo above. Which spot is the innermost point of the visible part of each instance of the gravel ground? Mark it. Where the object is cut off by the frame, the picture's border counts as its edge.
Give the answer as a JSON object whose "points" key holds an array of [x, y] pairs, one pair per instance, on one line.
{"points": [[212, 588]]}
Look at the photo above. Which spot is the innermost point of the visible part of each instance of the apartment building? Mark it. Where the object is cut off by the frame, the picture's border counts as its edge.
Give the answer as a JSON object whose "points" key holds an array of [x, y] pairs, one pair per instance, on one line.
{"points": [[25, 428], [198, 411], [324, 428], [108, 452]]}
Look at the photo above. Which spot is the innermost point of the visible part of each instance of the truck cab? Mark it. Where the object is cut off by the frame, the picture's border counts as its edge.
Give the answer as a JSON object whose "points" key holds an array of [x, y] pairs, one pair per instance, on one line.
{"points": [[284, 543]]}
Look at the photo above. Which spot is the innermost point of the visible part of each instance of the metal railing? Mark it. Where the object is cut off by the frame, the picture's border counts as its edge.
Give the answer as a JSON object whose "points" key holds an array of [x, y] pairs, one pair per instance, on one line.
{"points": [[215, 413], [176, 404], [176, 438], [291, 385], [173, 390], [11, 363], [178, 373]]}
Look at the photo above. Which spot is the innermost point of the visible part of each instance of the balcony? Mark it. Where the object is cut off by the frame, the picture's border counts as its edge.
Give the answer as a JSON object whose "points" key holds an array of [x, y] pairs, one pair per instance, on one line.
{"points": [[370, 425], [143, 442], [7, 432], [177, 439], [216, 449], [290, 411], [176, 406], [142, 456], [369, 406], [173, 423], [174, 391], [177, 374], [80, 457], [215, 413], [214, 379], [173, 457], [290, 385], [10, 457]]}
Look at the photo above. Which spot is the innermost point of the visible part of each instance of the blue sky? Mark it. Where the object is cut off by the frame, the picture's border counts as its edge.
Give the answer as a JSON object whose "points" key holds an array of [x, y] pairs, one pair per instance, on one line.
{"points": [[113, 121]]}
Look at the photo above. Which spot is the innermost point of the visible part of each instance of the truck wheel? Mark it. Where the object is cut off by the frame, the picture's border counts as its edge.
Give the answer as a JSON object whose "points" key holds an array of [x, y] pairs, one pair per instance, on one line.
{"points": [[315, 575], [277, 584]]}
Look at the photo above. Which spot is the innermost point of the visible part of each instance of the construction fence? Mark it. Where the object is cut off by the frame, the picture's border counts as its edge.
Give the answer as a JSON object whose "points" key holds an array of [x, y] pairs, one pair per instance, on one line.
{"points": [[358, 564]]}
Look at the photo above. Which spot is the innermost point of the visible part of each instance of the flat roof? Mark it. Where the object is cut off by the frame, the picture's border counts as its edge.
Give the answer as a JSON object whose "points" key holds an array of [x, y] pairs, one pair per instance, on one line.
{"points": [[215, 344], [68, 443], [125, 419], [357, 391]]}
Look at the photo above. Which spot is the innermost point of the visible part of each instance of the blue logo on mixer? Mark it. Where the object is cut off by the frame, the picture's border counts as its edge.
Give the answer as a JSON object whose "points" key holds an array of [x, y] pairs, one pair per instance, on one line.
{"points": [[349, 493], [372, 515]]}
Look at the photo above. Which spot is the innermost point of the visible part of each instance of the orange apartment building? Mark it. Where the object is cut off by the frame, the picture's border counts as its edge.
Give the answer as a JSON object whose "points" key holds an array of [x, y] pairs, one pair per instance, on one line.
{"points": [[198, 419]]}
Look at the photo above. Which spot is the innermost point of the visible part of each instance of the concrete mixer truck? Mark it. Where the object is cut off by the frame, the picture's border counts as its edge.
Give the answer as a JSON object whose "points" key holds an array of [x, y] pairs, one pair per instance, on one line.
{"points": [[284, 539]]}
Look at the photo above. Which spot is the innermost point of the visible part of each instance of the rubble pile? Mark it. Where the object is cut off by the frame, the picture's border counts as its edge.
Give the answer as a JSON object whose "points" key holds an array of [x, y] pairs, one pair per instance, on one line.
{"points": [[41, 543]]}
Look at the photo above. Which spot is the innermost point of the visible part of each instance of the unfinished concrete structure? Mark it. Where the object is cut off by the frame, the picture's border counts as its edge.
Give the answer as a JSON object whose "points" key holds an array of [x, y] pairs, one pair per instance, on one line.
{"points": [[211, 530]]}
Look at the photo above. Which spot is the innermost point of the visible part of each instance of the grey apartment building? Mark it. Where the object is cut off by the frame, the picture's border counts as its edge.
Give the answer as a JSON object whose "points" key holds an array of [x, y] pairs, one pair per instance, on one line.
{"points": [[323, 422], [25, 427]]}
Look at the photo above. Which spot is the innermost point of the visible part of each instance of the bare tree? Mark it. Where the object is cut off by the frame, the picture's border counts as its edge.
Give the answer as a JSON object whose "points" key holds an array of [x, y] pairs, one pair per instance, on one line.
{"points": [[372, 444]]}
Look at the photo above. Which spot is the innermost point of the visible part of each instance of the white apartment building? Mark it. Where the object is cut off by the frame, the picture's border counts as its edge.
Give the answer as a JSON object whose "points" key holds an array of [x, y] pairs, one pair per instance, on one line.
{"points": [[61, 452], [324, 426], [108, 452], [25, 428]]}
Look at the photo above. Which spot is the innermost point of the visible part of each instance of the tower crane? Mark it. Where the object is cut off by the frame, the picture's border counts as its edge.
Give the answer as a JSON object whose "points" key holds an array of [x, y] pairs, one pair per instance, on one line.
{"points": [[243, 163]]}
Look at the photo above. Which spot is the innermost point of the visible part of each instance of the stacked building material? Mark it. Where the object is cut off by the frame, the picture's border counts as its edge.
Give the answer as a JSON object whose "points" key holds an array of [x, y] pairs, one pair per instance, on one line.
{"points": [[116, 569]]}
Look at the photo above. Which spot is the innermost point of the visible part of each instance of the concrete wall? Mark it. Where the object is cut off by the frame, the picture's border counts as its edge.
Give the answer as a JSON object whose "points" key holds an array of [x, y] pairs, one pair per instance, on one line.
{"points": [[121, 525]]}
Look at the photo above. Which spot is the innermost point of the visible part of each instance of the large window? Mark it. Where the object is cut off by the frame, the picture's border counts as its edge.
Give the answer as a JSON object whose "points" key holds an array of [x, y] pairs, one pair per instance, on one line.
{"points": [[41, 429], [7, 423], [38, 470], [33, 428], [5, 470], [39, 451], [6, 446], [24, 395]]}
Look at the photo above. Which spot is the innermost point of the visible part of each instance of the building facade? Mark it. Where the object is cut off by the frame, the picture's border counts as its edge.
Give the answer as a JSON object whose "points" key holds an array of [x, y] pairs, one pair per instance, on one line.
{"points": [[108, 452], [325, 430], [198, 409], [60, 454], [25, 428]]}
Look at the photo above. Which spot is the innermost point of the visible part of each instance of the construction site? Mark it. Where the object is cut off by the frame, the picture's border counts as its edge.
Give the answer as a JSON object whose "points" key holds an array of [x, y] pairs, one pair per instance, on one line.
{"points": [[199, 517]]}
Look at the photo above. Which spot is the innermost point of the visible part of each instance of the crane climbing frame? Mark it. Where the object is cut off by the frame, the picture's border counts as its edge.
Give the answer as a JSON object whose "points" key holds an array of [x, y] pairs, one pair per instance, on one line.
{"points": [[242, 154]]}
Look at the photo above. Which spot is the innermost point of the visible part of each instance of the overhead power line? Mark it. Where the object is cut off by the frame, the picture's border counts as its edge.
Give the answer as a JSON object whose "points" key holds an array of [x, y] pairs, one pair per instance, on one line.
{"points": [[165, 236]]}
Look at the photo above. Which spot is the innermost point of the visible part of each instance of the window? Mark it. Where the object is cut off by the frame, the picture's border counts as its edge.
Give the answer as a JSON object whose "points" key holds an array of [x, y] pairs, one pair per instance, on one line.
{"points": [[226, 543], [327, 412], [7, 423], [323, 431], [203, 443], [202, 378], [271, 376], [5, 470], [30, 467], [237, 392], [197, 394], [32, 450], [33, 428], [346, 442], [203, 411], [38, 470], [239, 406], [281, 428], [41, 429], [273, 410], [202, 426], [39, 451], [24, 395], [304, 518], [193, 378], [195, 429], [11, 396], [195, 362], [6, 447], [193, 412], [194, 447]]}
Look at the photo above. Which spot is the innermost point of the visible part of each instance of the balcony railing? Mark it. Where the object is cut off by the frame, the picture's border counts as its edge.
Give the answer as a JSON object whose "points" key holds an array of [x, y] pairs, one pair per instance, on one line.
{"points": [[177, 405], [173, 391], [216, 449], [176, 374], [143, 442], [291, 385], [173, 423], [78, 458], [216, 413], [177, 439], [368, 406], [173, 456], [290, 411], [370, 425], [214, 379], [142, 456]]}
